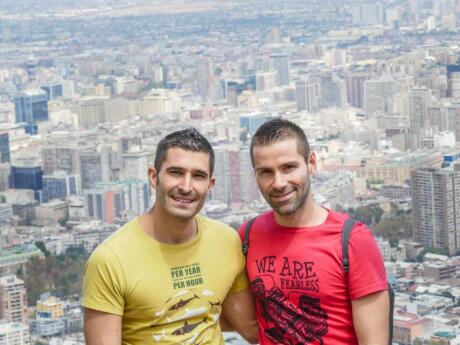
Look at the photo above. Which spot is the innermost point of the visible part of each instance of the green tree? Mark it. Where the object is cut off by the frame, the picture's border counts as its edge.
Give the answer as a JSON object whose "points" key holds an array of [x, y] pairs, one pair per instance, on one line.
{"points": [[41, 245], [60, 274]]}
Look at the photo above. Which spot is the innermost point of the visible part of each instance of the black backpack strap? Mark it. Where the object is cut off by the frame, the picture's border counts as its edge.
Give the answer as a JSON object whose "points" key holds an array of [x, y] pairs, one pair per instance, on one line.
{"points": [[346, 231], [247, 229], [391, 294]]}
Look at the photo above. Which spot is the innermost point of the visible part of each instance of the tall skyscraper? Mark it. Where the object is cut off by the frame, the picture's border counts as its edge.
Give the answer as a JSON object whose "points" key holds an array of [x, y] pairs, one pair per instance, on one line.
{"points": [[204, 72], [31, 106], [307, 94], [413, 12], [227, 173], [436, 207], [333, 90], [367, 13], [248, 184], [355, 88], [280, 64], [4, 147], [13, 299], [419, 103]]}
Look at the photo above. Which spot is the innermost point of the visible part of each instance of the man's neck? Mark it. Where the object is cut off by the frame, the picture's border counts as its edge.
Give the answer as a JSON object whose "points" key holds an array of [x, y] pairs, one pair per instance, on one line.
{"points": [[167, 229], [309, 215]]}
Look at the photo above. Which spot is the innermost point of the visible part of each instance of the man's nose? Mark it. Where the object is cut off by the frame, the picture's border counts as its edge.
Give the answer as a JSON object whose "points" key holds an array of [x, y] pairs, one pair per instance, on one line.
{"points": [[279, 181], [186, 185]]}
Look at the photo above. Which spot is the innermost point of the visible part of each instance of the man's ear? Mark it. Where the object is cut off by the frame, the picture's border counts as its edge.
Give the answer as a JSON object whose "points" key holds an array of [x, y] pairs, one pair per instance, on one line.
{"points": [[312, 163], [212, 182], [153, 177]]}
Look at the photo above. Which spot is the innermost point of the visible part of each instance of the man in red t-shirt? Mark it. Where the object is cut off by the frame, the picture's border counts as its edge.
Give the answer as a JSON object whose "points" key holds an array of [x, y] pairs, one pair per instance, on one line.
{"points": [[294, 259]]}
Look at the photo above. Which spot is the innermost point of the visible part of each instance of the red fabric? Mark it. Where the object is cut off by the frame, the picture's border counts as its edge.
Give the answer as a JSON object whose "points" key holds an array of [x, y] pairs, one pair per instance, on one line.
{"points": [[299, 283]]}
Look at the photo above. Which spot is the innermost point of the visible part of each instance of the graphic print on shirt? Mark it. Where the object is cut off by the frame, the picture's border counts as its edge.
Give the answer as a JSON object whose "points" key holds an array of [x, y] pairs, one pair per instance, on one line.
{"points": [[185, 317], [296, 318]]}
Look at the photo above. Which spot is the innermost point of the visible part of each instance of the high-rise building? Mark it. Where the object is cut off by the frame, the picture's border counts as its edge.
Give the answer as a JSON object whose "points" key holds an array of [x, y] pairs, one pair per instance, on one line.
{"points": [[204, 72], [419, 103], [135, 165], [226, 171], [4, 147], [307, 94], [104, 203], [413, 12], [27, 177], [266, 80], [14, 333], [95, 166], [379, 95], [436, 207], [251, 122], [280, 64], [367, 13], [13, 299], [53, 90], [136, 197], [333, 90], [122, 200], [91, 112], [60, 156], [355, 88], [31, 106], [60, 185], [249, 191], [160, 101], [443, 8]]}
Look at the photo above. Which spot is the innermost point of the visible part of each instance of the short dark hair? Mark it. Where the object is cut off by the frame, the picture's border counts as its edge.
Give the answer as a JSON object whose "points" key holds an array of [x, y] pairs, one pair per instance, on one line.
{"points": [[279, 129], [188, 139]]}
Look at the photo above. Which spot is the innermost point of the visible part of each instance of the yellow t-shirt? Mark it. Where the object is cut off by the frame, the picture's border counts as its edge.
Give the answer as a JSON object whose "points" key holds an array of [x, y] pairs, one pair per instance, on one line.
{"points": [[167, 293]]}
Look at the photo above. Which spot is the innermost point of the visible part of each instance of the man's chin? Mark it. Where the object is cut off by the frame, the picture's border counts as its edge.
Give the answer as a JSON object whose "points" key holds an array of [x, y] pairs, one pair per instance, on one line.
{"points": [[183, 214], [283, 210]]}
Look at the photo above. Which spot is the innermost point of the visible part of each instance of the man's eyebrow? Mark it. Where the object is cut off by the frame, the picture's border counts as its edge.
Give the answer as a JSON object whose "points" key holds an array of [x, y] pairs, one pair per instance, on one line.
{"points": [[203, 172]]}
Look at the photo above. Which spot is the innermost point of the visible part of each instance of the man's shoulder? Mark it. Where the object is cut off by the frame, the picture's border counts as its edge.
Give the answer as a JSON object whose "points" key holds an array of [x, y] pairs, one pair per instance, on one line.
{"points": [[216, 227], [121, 237]]}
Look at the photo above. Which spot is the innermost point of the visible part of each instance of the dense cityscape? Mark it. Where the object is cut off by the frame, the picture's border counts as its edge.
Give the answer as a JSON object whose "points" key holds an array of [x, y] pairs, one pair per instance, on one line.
{"points": [[88, 90]]}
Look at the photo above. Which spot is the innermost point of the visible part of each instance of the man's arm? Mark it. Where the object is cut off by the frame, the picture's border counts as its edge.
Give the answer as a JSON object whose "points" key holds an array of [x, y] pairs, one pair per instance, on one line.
{"points": [[239, 314], [371, 317], [101, 328]]}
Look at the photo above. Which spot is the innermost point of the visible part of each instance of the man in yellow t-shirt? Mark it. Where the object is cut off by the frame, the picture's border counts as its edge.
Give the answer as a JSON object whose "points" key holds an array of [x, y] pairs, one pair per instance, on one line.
{"points": [[170, 275]]}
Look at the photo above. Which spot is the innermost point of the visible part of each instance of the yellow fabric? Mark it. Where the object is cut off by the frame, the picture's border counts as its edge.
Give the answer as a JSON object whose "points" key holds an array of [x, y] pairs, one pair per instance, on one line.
{"points": [[167, 294]]}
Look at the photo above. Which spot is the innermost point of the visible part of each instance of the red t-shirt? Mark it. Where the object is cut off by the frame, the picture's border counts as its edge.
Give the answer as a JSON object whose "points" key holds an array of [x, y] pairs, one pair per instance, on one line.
{"points": [[299, 283]]}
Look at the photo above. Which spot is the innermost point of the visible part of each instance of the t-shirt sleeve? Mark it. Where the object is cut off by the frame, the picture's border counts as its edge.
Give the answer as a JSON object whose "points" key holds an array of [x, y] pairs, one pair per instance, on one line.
{"points": [[103, 282], [367, 272], [241, 281]]}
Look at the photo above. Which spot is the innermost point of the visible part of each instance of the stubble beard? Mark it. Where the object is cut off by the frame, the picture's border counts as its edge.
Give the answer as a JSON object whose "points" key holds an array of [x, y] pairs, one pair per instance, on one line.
{"points": [[297, 204]]}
